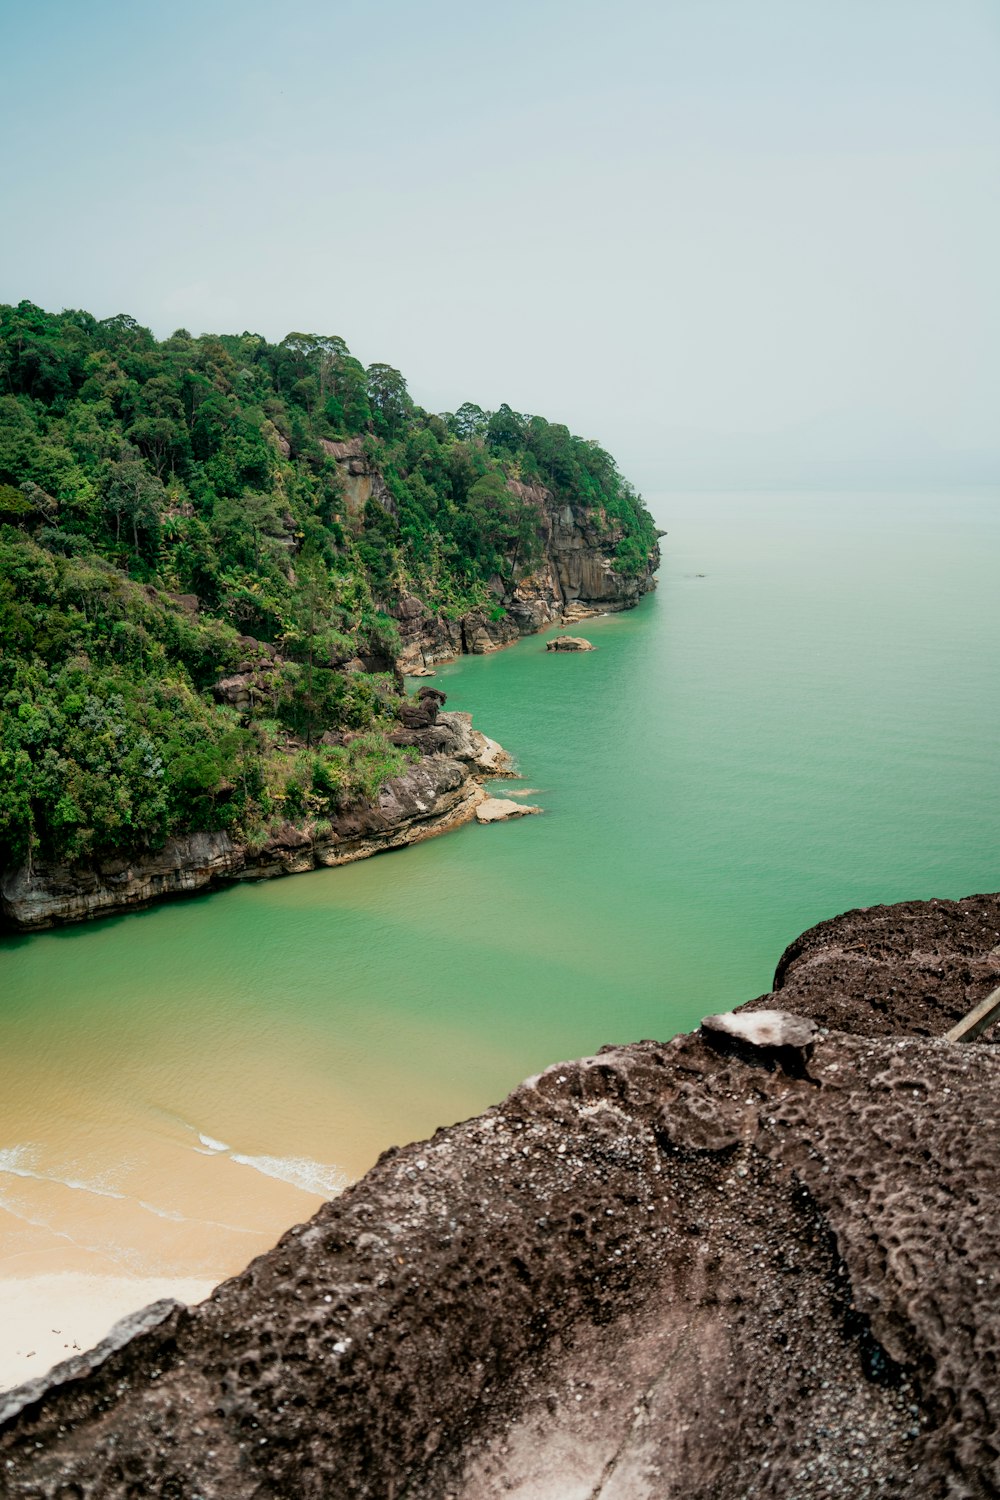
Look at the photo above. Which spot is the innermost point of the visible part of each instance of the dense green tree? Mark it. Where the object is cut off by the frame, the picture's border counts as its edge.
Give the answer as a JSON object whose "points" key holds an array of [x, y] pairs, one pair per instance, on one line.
{"points": [[505, 429], [388, 399], [470, 421], [133, 495], [172, 514]]}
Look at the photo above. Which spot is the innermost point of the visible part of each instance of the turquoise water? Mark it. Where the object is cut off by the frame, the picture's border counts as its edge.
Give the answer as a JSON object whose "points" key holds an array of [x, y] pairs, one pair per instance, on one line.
{"points": [[803, 718]]}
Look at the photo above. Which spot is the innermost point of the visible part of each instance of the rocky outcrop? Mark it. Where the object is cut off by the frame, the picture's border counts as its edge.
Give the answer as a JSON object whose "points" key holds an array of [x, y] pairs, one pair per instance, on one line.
{"points": [[569, 643], [428, 637], [756, 1261], [575, 578], [439, 793], [360, 479], [916, 967], [500, 809]]}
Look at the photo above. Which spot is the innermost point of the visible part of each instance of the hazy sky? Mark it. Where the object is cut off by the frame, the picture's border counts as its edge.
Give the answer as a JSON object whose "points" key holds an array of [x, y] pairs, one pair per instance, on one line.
{"points": [[740, 241]]}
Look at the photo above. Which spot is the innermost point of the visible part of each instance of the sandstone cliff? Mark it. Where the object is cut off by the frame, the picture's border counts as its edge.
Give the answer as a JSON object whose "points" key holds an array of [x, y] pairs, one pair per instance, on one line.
{"points": [[698, 1270], [440, 792]]}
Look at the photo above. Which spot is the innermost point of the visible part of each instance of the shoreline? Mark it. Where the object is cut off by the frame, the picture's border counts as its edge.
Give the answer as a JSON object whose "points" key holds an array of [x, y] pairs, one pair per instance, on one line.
{"points": [[439, 793], [56, 1315], [424, 802], [558, 1281]]}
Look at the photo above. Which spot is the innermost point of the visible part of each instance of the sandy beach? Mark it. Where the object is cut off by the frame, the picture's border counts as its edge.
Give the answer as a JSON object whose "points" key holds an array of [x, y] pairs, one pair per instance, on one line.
{"points": [[46, 1319]]}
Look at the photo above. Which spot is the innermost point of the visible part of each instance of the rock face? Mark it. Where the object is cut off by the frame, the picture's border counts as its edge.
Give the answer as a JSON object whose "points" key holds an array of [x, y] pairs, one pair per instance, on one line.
{"points": [[760, 1260], [440, 792], [360, 479], [575, 578]]}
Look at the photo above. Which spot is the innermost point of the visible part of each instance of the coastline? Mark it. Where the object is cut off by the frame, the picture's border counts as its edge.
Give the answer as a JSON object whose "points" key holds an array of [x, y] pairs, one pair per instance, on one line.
{"points": [[440, 792], [559, 1282], [576, 580], [50, 1317], [45, 1314]]}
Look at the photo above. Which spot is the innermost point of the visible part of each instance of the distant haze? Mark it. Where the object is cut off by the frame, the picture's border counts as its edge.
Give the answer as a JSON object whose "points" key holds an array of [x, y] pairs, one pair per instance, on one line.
{"points": [[742, 242]]}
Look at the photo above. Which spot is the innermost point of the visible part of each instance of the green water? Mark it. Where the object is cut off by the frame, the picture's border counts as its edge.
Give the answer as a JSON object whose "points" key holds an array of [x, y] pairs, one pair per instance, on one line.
{"points": [[804, 718]]}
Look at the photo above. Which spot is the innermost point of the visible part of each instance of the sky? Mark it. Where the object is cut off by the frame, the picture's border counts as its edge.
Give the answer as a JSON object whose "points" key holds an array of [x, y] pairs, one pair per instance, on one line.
{"points": [[743, 243]]}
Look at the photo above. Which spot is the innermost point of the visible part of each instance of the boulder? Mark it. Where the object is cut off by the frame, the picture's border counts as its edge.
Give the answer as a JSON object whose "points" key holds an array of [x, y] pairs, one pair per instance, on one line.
{"points": [[423, 713], [499, 809], [569, 643]]}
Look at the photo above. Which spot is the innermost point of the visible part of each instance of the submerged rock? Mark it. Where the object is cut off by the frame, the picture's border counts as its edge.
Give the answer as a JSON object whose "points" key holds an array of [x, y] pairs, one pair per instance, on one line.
{"points": [[670, 1271]]}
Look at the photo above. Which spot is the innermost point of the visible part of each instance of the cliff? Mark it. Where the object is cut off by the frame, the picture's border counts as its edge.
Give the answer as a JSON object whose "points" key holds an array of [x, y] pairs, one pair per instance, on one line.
{"points": [[440, 792], [759, 1260], [576, 576]]}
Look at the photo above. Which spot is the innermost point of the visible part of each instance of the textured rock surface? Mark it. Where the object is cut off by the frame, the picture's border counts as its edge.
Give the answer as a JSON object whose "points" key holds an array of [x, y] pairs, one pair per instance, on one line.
{"points": [[360, 480], [439, 793], [916, 967], [670, 1270]]}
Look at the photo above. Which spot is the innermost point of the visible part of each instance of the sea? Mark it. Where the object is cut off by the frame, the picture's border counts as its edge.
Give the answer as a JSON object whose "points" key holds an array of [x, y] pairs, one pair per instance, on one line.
{"points": [[803, 718]]}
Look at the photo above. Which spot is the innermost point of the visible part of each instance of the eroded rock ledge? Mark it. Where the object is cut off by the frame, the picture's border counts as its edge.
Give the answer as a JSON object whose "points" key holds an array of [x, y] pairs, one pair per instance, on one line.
{"points": [[759, 1260], [440, 792]]}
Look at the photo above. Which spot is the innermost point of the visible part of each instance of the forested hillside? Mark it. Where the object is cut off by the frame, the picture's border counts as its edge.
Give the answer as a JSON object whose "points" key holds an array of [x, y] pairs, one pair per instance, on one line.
{"points": [[172, 512]]}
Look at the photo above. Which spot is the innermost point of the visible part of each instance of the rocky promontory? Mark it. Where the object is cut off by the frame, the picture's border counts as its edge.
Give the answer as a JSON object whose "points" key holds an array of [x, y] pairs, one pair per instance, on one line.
{"points": [[439, 792], [576, 576], [757, 1260]]}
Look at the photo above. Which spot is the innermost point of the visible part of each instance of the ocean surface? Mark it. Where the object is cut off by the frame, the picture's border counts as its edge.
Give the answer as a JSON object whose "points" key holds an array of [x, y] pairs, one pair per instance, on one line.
{"points": [[804, 718]]}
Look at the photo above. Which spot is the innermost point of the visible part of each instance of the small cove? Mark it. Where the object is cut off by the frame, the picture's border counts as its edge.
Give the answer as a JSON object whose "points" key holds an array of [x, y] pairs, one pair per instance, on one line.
{"points": [[804, 718]]}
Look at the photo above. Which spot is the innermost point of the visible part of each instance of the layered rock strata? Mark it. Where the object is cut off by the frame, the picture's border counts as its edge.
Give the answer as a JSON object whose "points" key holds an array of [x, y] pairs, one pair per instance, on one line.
{"points": [[759, 1260], [440, 792]]}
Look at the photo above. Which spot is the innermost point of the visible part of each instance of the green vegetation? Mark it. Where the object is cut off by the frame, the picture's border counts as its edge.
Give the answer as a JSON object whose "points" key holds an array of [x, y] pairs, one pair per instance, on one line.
{"points": [[135, 474]]}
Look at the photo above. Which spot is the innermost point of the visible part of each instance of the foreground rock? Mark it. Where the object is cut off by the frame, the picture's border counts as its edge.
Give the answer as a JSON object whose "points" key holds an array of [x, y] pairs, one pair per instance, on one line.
{"points": [[569, 643], [760, 1260], [437, 794]]}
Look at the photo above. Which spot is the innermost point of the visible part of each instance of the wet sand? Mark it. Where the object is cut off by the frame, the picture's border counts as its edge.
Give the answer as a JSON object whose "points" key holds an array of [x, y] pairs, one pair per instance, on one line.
{"points": [[135, 1165]]}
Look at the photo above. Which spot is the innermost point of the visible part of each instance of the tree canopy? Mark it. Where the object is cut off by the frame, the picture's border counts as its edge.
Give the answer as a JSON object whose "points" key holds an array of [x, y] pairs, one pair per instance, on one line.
{"points": [[136, 473]]}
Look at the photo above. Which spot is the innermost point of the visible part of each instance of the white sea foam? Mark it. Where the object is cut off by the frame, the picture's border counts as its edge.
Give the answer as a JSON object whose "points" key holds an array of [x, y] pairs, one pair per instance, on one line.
{"points": [[299, 1171], [316, 1177], [213, 1145], [13, 1161]]}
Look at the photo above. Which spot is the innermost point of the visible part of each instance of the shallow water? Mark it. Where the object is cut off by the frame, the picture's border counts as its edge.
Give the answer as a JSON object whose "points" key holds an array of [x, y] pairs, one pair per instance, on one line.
{"points": [[803, 718]]}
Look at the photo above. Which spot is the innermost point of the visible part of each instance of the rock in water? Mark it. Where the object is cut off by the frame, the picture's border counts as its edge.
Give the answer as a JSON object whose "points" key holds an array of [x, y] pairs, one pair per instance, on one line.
{"points": [[569, 643], [499, 809]]}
